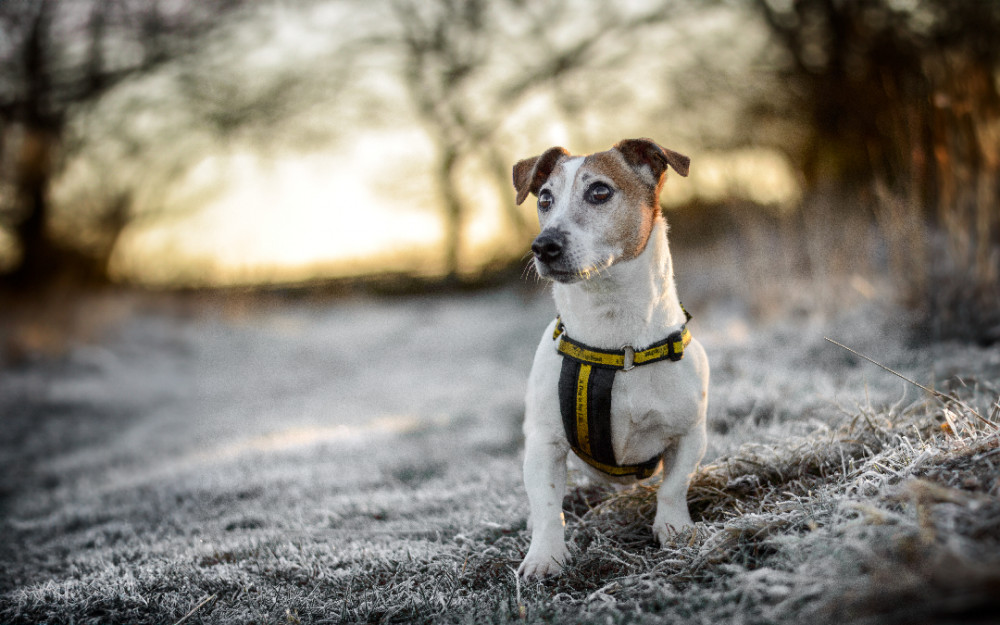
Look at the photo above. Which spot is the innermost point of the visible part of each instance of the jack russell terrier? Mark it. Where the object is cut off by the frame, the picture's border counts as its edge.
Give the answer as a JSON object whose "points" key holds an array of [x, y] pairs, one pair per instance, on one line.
{"points": [[617, 377]]}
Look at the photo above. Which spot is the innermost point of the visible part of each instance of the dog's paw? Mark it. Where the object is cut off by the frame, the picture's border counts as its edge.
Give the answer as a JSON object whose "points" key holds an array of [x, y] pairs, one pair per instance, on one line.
{"points": [[543, 562], [667, 529]]}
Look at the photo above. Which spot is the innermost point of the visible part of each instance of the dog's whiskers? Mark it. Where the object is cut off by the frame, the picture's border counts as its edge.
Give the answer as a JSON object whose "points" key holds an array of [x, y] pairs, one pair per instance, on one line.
{"points": [[530, 268], [594, 271]]}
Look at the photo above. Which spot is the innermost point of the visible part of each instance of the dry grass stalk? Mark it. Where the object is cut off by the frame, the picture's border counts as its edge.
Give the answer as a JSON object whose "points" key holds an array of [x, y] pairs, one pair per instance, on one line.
{"points": [[943, 396]]}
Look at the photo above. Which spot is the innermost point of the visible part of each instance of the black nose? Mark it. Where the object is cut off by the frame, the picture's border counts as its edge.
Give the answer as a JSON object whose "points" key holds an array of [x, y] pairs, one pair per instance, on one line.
{"points": [[548, 246]]}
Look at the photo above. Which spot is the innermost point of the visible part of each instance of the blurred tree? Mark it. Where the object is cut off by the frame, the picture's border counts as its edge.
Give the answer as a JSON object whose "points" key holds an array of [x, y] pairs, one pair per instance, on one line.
{"points": [[58, 57], [900, 100], [468, 64], [899, 93]]}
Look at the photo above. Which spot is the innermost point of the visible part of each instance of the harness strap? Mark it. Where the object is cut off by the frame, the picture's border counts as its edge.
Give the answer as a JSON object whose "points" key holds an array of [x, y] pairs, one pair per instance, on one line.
{"points": [[670, 348], [585, 384]]}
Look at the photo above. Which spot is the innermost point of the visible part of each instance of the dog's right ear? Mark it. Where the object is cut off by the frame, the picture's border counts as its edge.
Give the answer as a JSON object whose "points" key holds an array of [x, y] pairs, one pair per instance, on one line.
{"points": [[531, 173], [647, 153]]}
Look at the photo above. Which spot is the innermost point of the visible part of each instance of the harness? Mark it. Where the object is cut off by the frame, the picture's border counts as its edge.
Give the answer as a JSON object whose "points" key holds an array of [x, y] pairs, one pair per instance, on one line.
{"points": [[585, 385]]}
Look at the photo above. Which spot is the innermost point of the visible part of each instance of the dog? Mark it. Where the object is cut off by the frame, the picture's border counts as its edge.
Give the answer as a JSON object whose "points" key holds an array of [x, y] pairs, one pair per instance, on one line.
{"points": [[617, 377]]}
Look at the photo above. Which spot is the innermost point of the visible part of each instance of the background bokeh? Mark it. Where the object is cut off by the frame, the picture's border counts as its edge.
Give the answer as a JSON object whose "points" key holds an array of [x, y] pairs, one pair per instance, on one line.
{"points": [[212, 144]]}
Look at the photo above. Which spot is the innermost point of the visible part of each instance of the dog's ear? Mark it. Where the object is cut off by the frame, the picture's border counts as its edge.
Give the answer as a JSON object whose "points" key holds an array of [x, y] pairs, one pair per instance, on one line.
{"points": [[644, 152], [531, 173]]}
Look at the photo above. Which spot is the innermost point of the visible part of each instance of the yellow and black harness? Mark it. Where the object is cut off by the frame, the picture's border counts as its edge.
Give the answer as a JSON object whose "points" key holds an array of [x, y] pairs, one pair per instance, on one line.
{"points": [[585, 384]]}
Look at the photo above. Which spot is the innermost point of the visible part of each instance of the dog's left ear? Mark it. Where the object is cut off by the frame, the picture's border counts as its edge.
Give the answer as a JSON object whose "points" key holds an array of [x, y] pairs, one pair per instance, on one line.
{"points": [[645, 152], [531, 173]]}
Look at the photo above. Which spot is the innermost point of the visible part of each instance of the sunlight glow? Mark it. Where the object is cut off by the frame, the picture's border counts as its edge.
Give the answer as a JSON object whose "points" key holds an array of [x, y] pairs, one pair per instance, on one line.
{"points": [[302, 217], [759, 175], [371, 210]]}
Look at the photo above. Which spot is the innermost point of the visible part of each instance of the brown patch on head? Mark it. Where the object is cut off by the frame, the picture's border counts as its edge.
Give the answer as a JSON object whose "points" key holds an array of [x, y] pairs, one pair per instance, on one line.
{"points": [[639, 167], [611, 165], [636, 208], [531, 173]]}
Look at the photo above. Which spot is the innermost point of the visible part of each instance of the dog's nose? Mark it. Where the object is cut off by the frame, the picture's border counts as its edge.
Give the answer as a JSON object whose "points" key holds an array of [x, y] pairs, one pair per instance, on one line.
{"points": [[548, 246]]}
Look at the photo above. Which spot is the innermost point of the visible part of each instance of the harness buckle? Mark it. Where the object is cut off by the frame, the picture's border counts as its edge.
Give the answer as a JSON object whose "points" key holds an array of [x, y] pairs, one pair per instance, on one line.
{"points": [[629, 363]]}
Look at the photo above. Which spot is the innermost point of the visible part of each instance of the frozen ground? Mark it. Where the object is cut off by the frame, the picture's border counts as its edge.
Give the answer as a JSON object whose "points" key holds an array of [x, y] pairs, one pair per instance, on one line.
{"points": [[357, 460]]}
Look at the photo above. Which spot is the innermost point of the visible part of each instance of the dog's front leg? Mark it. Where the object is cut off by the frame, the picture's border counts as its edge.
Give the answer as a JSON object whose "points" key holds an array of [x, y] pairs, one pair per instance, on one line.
{"points": [[545, 482], [672, 514]]}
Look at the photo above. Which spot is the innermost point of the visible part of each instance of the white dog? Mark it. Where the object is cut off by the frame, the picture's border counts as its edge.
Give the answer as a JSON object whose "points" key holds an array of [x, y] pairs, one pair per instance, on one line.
{"points": [[617, 377]]}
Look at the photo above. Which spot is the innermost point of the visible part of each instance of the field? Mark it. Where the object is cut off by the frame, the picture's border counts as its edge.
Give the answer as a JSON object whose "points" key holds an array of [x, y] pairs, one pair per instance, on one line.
{"points": [[358, 460]]}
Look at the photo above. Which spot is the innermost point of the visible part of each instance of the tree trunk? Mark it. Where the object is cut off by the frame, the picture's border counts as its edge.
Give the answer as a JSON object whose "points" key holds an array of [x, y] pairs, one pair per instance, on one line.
{"points": [[36, 255], [43, 261], [453, 213]]}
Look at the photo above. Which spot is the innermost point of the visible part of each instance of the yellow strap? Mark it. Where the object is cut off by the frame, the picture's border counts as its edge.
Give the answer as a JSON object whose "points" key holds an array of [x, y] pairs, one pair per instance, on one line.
{"points": [[611, 469], [663, 350], [615, 359], [608, 359], [582, 426]]}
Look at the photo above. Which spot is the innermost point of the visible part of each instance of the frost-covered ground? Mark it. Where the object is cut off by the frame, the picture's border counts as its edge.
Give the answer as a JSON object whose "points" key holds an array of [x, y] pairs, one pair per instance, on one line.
{"points": [[359, 460]]}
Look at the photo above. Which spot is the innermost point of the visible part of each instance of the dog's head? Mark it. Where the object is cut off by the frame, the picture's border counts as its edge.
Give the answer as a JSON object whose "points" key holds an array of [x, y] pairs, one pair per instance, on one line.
{"points": [[594, 210]]}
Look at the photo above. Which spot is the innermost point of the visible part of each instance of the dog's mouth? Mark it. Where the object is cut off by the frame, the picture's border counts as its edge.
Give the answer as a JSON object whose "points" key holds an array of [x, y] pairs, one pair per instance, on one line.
{"points": [[565, 276], [550, 272]]}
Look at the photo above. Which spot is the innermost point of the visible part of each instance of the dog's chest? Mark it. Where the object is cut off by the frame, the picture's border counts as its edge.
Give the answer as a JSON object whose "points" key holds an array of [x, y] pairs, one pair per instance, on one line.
{"points": [[650, 407]]}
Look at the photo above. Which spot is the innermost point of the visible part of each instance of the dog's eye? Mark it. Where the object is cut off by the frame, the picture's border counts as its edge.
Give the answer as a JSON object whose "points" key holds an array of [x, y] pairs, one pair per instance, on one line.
{"points": [[598, 193], [544, 200]]}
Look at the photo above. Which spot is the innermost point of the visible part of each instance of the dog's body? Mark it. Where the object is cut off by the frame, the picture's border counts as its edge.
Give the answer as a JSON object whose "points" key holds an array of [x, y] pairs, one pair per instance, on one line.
{"points": [[604, 243]]}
